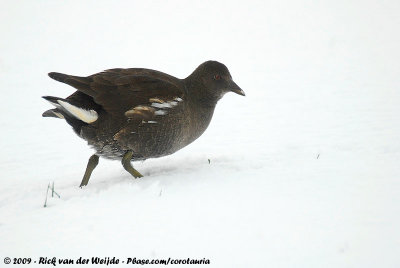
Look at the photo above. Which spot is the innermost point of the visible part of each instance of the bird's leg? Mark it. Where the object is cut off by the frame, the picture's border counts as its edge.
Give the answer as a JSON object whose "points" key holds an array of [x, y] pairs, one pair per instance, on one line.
{"points": [[126, 163], [92, 163]]}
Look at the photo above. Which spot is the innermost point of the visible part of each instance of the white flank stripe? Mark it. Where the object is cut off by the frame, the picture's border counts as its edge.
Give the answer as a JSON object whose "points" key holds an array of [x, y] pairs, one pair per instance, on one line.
{"points": [[169, 104], [87, 116], [161, 105], [160, 112]]}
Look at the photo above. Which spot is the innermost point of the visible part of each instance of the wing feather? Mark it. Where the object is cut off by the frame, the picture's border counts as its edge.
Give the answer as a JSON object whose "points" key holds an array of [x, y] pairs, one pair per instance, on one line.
{"points": [[118, 90]]}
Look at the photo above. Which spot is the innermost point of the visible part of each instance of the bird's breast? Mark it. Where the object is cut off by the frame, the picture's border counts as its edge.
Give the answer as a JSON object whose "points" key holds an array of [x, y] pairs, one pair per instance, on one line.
{"points": [[166, 133]]}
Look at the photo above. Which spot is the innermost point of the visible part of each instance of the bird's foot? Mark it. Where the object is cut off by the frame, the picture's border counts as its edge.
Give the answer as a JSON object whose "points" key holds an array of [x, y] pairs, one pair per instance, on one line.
{"points": [[92, 163], [126, 163]]}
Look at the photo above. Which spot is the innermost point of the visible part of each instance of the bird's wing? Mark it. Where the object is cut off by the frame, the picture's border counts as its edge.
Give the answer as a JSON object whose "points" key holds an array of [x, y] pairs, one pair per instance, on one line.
{"points": [[121, 90]]}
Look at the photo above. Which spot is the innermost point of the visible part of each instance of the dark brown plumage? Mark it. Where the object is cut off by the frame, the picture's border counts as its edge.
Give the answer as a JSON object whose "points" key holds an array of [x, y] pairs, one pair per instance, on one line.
{"points": [[136, 114]]}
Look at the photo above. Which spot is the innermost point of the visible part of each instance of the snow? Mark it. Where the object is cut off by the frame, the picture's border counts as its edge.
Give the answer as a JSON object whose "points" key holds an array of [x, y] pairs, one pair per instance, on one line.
{"points": [[302, 172]]}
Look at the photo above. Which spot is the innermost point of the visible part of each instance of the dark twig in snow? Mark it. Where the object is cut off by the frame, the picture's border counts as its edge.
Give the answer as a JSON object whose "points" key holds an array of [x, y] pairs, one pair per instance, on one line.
{"points": [[47, 192], [52, 193]]}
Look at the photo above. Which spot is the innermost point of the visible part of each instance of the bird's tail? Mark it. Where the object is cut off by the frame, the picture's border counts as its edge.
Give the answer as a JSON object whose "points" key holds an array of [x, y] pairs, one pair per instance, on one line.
{"points": [[58, 76], [66, 109]]}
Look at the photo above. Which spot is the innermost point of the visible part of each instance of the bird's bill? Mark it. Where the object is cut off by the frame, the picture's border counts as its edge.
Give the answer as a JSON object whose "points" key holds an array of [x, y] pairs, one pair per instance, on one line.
{"points": [[235, 88]]}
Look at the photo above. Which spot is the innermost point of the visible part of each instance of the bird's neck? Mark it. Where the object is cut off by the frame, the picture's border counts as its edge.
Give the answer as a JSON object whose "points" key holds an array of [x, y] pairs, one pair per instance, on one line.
{"points": [[200, 109], [199, 95]]}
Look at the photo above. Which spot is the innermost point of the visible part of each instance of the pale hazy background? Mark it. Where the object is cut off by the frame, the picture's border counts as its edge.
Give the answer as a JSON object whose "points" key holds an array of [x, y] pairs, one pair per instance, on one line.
{"points": [[304, 170]]}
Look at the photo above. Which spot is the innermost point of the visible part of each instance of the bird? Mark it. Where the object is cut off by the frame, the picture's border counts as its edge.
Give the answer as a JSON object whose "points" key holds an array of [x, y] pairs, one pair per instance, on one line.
{"points": [[133, 114]]}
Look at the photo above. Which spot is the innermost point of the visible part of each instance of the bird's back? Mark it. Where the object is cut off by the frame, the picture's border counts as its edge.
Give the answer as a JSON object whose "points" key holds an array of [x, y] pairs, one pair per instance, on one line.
{"points": [[136, 109]]}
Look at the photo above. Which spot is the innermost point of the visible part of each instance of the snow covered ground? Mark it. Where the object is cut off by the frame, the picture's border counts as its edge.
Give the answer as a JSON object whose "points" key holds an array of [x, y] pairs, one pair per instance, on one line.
{"points": [[304, 171]]}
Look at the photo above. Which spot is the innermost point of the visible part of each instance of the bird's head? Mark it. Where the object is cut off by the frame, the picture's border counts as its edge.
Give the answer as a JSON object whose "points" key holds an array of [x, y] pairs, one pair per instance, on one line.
{"points": [[215, 79]]}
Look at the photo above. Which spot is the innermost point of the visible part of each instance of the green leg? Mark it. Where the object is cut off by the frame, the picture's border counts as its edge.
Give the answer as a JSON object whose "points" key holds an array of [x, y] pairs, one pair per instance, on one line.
{"points": [[126, 163], [93, 161]]}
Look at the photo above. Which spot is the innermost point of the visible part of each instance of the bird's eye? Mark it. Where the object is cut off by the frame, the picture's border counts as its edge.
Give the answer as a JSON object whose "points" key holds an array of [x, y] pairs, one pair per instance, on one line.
{"points": [[217, 77]]}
